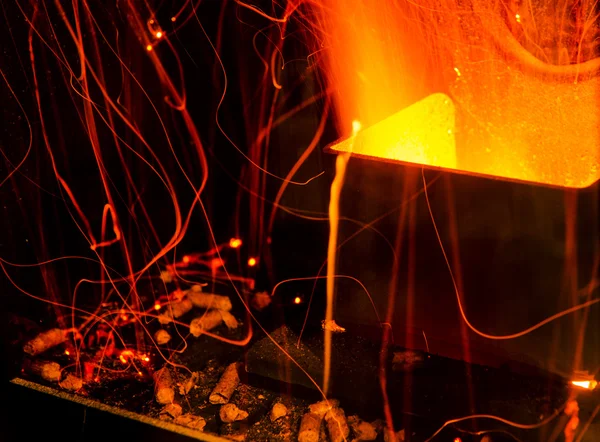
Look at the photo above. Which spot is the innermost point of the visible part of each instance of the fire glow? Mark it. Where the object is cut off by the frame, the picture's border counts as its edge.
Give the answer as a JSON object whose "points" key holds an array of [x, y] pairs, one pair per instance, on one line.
{"points": [[493, 121]]}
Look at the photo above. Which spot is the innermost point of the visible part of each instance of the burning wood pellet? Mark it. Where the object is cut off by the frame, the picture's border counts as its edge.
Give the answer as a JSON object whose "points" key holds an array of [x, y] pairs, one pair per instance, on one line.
{"points": [[71, 383], [390, 436], [191, 421], [206, 322], [363, 431], [320, 408], [162, 337], [171, 411], [278, 411], [260, 301], [337, 426], [175, 310], [163, 386], [49, 371], [45, 341], [186, 386], [310, 427], [231, 413], [209, 300], [332, 326], [226, 386], [229, 320]]}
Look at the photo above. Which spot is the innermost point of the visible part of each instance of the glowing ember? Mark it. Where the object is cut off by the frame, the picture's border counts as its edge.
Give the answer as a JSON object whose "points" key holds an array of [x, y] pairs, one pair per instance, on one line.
{"points": [[159, 34], [297, 300], [235, 243], [588, 385], [149, 48], [251, 262], [157, 306]]}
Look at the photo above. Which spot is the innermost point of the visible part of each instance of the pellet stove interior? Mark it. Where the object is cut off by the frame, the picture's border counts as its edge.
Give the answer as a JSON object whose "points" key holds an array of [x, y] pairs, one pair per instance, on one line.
{"points": [[175, 253]]}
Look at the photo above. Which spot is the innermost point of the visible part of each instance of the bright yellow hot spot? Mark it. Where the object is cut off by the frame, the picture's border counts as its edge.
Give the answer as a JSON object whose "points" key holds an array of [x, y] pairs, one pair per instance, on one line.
{"points": [[588, 385], [422, 134]]}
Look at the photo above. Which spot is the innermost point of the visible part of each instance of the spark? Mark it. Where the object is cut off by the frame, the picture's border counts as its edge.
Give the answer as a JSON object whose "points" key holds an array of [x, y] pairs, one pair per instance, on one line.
{"points": [[159, 34], [518, 18], [235, 243], [251, 262], [457, 72], [157, 306], [297, 300], [149, 48], [67, 352], [186, 259]]}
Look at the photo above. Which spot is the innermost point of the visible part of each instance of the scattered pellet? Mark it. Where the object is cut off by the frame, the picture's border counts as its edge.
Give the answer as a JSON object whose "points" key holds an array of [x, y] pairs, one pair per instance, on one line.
{"points": [[186, 386], [175, 310], [206, 322], [363, 431], [166, 276], [171, 411], [49, 371], [390, 436], [279, 410], [162, 337], [210, 300], [310, 427], [191, 421], [45, 341], [226, 386], [337, 426], [71, 383], [332, 326], [163, 386], [260, 301], [323, 407], [231, 413], [229, 320]]}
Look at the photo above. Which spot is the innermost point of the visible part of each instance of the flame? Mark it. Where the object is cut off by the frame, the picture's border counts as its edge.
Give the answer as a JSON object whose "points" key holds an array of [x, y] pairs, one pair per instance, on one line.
{"points": [[588, 384], [517, 117]]}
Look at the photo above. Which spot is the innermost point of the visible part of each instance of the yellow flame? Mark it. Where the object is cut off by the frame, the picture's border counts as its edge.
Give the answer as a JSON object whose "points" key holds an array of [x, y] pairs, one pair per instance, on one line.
{"points": [[588, 385]]}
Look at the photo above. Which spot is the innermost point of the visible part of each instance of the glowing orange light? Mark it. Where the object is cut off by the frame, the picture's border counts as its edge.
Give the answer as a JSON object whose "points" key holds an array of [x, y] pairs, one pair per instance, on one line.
{"points": [[421, 134], [147, 359], [149, 48], [457, 439], [523, 120], [235, 243], [140, 373], [123, 360], [157, 306], [173, 18], [215, 263], [159, 34], [297, 300], [186, 259], [588, 385], [67, 352], [251, 262]]}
